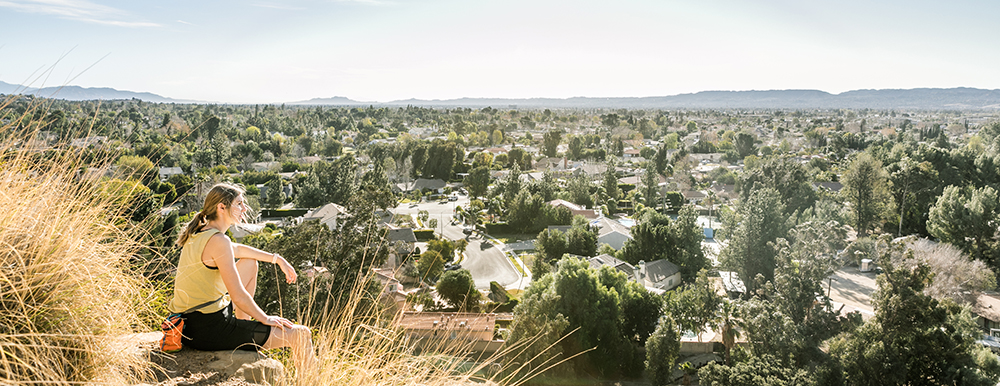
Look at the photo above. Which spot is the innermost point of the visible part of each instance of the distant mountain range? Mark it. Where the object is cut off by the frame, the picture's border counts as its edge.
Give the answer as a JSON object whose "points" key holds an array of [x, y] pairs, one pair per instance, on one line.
{"points": [[920, 98], [77, 93]]}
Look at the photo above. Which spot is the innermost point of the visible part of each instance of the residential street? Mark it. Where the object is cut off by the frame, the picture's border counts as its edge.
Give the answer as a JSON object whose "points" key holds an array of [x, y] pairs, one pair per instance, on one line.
{"points": [[485, 261]]}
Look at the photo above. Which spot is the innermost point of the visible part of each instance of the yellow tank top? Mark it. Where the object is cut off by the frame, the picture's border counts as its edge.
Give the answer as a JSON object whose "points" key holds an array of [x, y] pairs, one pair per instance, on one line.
{"points": [[197, 284]]}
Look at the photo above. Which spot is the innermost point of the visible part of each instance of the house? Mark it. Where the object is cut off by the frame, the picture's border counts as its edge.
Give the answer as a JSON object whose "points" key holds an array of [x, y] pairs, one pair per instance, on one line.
{"points": [[734, 286], [694, 196], [829, 186], [987, 308], [423, 184], [402, 241], [265, 166], [659, 274], [286, 188], [611, 232], [631, 153], [326, 214], [392, 289], [711, 158], [553, 164], [590, 214], [167, 172], [88, 141], [607, 260], [726, 191], [462, 331]]}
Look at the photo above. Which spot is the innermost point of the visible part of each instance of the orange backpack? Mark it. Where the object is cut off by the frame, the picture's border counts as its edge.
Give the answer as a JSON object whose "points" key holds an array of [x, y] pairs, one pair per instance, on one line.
{"points": [[173, 329]]}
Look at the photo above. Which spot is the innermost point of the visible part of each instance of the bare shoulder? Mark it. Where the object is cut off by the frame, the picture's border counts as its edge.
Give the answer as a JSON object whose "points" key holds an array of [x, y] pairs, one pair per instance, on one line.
{"points": [[218, 244]]}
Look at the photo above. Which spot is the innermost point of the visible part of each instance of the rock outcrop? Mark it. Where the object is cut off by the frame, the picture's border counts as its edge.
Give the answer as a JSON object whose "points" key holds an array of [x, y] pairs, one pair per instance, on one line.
{"points": [[193, 367]]}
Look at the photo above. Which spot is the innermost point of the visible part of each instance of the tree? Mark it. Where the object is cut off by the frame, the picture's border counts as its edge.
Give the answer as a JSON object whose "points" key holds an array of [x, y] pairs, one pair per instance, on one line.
{"points": [[459, 290], [744, 144], [477, 181], [430, 265], [968, 218], [135, 167], [523, 212], [575, 147], [789, 178], [550, 245], [758, 221], [956, 277], [576, 297], [581, 241], [913, 338], [694, 306], [662, 351], [550, 141], [865, 188], [610, 186], [275, 193], [347, 253], [656, 237], [578, 188], [650, 188], [913, 185]]}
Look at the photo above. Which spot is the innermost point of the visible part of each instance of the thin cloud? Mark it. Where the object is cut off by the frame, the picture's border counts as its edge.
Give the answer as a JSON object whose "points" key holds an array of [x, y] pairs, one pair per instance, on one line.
{"points": [[277, 6], [367, 2], [79, 10], [184, 22]]}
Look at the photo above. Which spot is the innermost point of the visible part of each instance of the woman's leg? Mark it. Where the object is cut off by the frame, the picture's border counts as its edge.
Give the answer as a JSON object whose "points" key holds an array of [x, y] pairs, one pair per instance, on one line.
{"points": [[248, 275], [299, 338]]}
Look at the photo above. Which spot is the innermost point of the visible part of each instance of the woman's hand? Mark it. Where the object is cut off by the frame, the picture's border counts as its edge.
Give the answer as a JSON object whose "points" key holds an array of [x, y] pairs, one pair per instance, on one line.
{"points": [[287, 268], [277, 321]]}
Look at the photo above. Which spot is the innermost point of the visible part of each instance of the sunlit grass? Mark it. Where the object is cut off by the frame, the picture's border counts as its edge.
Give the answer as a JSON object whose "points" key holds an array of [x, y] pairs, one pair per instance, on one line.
{"points": [[65, 294]]}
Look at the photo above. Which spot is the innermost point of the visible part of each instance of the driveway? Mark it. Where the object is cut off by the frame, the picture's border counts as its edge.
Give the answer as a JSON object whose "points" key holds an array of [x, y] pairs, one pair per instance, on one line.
{"points": [[853, 289], [485, 261]]}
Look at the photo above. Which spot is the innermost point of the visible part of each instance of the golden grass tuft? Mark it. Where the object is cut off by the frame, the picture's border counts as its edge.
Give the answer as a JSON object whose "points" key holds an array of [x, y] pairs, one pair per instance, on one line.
{"points": [[64, 291]]}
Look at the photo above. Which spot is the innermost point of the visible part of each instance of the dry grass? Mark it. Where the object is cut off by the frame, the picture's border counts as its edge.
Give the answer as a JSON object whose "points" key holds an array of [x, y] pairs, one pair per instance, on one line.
{"points": [[63, 287]]}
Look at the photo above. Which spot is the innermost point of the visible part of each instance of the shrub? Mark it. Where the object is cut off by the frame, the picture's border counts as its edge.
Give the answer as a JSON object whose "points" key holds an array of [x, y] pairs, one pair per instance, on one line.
{"points": [[424, 234], [65, 295]]}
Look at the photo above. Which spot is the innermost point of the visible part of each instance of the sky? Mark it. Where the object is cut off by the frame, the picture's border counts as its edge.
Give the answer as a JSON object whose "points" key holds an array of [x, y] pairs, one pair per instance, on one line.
{"points": [[269, 51]]}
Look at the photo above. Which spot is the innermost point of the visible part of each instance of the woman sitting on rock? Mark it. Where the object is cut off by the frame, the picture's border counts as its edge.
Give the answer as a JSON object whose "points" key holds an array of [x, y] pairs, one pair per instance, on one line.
{"points": [[215, 273]]}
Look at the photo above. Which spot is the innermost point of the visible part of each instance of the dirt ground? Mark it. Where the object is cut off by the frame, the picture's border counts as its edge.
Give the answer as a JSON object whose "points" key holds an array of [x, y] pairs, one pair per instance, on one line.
{"points": [[853, 289]]}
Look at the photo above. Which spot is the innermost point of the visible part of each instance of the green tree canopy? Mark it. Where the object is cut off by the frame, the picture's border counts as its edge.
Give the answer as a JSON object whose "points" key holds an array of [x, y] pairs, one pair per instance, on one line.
{"points": [[866, 188], [656, 237], [459, 290]]}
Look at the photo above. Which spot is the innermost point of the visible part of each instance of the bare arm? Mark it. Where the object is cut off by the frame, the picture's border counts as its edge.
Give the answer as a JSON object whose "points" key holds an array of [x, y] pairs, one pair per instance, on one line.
{"points": [[241, 251], [219, 249]]}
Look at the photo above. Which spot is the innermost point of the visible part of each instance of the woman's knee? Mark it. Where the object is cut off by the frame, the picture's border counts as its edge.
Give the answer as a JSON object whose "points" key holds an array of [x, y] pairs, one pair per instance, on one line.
{"points": [[247, 267], [300, 335]]}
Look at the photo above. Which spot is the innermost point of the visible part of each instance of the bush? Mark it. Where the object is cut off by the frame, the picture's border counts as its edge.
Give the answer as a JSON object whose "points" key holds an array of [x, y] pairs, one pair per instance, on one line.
{"points": [[424, 234], [66, 294], [498, 228]]}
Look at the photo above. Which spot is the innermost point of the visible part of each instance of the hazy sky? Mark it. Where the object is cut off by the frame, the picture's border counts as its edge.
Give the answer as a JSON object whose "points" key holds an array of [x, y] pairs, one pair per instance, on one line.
{"points": [[382, 50]]}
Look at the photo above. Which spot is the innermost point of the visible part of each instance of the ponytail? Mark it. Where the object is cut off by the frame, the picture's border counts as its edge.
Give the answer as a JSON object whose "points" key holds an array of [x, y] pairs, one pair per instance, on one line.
{"points": [[193, 227]]}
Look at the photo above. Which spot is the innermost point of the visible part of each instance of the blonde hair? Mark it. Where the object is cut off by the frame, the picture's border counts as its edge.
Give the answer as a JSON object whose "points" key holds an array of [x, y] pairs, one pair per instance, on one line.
{"points": [[221, 193]]}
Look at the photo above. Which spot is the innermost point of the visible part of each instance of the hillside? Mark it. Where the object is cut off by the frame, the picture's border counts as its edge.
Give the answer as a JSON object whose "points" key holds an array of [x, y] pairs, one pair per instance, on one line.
{"points": [[77, 93]]}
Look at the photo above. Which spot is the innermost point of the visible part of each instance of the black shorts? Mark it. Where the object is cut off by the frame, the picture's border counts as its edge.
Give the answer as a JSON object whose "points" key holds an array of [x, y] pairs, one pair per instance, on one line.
{"points": [[221, 330]]}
